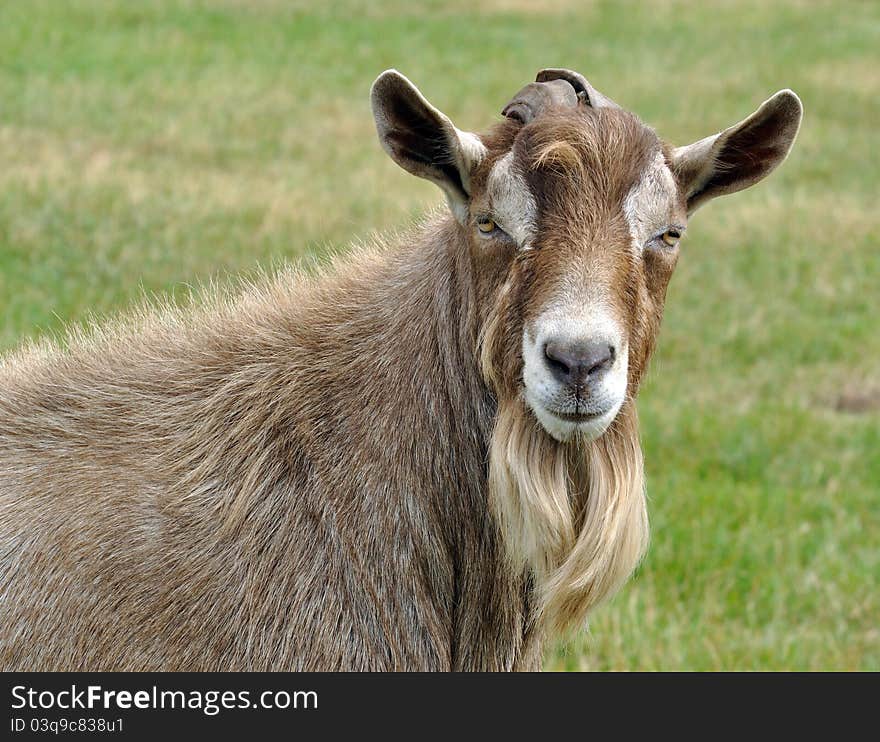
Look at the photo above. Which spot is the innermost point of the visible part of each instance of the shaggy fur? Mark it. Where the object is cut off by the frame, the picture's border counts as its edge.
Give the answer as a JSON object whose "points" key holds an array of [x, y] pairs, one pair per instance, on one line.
{"points": [[337, 472], [285, 480]]}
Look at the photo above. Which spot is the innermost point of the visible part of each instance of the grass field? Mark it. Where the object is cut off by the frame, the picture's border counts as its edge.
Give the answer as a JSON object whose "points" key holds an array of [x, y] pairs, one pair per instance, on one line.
{"points": [[149, 145]]}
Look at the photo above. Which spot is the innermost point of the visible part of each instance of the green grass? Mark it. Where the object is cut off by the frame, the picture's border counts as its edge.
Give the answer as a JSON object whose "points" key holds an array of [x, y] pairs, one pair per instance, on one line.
{"points": [[148, 145]]}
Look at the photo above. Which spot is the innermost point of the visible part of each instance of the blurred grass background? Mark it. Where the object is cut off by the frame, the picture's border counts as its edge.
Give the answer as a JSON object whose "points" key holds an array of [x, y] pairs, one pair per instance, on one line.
{"points": [[152, 144]]}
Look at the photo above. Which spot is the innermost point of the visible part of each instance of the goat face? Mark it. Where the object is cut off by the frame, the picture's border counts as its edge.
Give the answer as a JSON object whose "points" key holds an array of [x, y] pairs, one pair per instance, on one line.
{"points": [[573, 210]]}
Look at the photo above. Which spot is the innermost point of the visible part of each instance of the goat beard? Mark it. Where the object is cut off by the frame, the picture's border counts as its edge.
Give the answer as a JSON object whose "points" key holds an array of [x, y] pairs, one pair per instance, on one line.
{"points": [[572, 514]]}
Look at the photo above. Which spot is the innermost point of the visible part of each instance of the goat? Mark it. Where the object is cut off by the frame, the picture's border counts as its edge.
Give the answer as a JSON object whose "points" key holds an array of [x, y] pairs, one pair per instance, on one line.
{"points": [[424, 458]]}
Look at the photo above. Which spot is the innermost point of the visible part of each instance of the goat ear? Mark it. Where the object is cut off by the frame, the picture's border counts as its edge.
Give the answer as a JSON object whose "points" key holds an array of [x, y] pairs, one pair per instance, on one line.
{"points": [[423, 141], [740, 156]]}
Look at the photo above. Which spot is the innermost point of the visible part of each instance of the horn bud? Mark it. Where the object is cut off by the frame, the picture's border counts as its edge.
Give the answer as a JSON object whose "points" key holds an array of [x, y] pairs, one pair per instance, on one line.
{"points": [[536, 97], [586, 93]]}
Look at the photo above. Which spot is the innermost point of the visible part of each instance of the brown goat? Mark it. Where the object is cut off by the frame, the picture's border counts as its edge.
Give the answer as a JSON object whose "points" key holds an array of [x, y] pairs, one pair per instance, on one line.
{"points": [[426, 458]]}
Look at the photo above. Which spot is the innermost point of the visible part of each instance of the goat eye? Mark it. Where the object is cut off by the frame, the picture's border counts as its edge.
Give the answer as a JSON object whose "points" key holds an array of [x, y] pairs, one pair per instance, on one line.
{"points": [[486, 226], [671, 236]]}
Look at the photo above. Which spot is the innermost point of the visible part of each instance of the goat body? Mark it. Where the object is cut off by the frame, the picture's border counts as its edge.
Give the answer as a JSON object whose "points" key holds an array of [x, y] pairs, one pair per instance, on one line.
{"points": [[426, 457]]}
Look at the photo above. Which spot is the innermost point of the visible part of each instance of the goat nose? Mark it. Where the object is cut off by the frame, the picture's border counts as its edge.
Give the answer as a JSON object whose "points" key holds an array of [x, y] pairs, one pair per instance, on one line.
{"points": [[576, 363]]}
